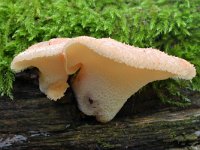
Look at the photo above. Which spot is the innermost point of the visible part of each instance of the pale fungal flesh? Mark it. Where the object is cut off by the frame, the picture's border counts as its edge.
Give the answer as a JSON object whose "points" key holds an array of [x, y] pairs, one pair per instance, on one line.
{"points": [[108, 72], [48, 58]]}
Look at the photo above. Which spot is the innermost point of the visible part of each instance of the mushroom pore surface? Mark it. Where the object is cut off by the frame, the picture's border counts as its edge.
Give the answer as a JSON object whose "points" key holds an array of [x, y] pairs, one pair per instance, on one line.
{"points": [[102, 85]]}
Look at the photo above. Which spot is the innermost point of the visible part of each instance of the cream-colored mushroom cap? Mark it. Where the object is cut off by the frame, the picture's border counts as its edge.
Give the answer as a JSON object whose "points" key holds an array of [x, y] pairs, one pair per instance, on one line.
{"points": [[109, 72], [49, 59]]}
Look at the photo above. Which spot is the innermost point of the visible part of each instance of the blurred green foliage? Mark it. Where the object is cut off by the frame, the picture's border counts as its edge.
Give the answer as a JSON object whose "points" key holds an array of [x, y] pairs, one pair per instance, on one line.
{"points": [[172, 26]]}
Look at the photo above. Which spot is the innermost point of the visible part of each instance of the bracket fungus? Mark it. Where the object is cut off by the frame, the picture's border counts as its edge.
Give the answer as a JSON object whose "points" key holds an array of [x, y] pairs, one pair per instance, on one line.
{"points": [[108, 72]]}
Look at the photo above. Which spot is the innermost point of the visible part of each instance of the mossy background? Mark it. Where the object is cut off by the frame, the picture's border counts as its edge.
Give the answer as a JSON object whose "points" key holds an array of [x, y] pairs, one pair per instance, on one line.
{"points": [[172, 26]]}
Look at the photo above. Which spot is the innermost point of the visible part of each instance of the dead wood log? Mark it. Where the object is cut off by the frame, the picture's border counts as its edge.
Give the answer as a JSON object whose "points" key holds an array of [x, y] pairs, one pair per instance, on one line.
{"points": [[31, 121]]}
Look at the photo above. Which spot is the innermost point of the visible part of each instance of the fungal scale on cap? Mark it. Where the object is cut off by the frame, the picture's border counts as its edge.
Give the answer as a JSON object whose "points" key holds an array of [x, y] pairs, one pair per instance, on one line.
{"points": [[110, 72]]}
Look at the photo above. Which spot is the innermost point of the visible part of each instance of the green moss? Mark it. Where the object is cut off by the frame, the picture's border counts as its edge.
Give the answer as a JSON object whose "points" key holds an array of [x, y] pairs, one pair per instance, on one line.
{"points": [[184, 138], [107, 145], [171, 26]]}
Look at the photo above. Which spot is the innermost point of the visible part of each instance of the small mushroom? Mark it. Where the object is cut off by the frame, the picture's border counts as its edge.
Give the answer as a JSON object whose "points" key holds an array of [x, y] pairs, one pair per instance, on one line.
{"points": [[49, 59], [109, 72]]}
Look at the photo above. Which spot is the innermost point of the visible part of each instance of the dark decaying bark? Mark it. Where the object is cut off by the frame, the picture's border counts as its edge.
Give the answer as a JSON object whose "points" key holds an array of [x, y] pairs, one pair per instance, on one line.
{"points": [[31, 121]]}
